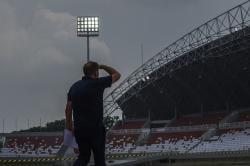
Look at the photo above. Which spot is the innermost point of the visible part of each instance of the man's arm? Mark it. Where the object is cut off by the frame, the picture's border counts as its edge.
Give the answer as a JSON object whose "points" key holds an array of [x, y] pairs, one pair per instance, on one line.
{"points": [[68, 114], [112, 72]]}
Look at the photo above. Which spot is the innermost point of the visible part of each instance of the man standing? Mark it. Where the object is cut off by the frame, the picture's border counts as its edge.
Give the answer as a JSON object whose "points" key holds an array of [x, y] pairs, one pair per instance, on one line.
{"points": [[85, 100]]}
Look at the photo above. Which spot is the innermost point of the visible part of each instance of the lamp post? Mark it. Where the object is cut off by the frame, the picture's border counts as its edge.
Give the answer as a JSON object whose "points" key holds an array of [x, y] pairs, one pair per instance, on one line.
{"points": [[87, 26]]}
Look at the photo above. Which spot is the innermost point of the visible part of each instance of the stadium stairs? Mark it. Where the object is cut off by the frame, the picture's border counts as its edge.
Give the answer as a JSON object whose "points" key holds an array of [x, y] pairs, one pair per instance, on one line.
{"points": [[149, 124], [212, 131], [231, 117], [234, 116], [144, 135], [205, 136]]}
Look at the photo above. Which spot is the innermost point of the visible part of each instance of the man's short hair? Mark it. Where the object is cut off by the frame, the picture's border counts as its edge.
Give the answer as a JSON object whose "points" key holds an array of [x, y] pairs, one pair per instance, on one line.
{"points": [[90, 68]]}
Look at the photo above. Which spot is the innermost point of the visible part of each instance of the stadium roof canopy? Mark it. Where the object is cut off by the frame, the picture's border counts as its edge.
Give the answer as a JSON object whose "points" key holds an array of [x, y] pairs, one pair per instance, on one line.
{"points": [[207, 69]]}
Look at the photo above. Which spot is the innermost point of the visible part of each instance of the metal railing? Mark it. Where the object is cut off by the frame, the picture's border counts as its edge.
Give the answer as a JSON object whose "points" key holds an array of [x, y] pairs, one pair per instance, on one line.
{"points": [[232, 125]]}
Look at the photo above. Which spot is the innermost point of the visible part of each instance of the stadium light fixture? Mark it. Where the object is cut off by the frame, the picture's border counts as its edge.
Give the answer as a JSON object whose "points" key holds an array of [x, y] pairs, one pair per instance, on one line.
{"points": [[87, 26]]}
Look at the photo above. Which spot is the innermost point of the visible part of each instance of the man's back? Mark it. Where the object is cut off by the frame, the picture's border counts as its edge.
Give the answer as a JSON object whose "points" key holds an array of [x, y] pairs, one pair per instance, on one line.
{"points": [[87, 101]]}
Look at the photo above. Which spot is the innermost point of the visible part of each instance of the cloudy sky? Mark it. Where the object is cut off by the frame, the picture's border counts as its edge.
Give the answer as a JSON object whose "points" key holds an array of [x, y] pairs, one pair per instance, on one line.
{"points": [[40, 55]]}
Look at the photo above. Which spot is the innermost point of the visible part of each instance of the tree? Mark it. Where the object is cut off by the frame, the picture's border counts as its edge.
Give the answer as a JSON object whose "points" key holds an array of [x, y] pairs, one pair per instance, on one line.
{"points": [[59, 125], [1, 145], [110, 121]]}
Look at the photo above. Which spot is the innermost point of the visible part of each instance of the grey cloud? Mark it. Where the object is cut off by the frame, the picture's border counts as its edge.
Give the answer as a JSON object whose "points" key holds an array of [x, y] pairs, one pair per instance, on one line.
{"points": [[38, 64]]}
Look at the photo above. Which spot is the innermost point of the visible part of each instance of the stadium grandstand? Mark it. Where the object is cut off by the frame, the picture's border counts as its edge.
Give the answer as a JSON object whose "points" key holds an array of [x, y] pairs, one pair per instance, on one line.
{"points": [[32, 144], [190, 102]]}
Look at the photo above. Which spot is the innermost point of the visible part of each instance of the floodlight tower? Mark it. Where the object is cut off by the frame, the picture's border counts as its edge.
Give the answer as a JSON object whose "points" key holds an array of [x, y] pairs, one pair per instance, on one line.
{"points": [[87, 26]]}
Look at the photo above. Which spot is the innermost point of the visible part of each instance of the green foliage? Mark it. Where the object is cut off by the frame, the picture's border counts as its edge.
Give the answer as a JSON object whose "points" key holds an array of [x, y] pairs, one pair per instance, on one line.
{"points": [[110, 121], [59, 125], [1, 145]]}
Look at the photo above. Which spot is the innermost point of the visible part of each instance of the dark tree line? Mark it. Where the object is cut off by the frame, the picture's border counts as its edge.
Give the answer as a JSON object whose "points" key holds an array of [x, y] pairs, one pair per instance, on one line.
{"points": [[59, 125]]}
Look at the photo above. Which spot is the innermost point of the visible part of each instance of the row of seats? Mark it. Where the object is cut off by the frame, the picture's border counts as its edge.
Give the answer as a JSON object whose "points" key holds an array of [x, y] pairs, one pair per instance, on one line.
{"points": [[181, 142], [33, 145], [244, 116], [212, 118], [177, 141], [226, 140], [129, 124], [121, 141], [157, 138], [209, 118]]}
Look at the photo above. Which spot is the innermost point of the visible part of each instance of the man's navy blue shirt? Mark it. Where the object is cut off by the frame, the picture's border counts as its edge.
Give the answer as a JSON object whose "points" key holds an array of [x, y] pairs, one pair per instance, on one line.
{"points": [[86, 96]]}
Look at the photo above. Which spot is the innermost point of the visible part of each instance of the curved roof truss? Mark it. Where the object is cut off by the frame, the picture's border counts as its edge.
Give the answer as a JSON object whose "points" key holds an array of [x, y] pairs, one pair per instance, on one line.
{"points": [[231, 21]]}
